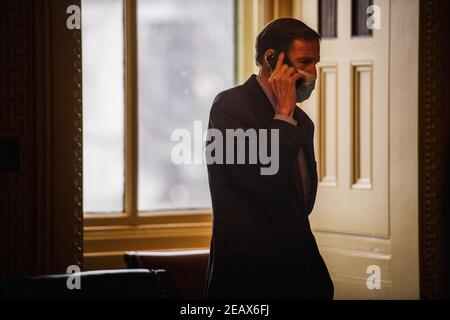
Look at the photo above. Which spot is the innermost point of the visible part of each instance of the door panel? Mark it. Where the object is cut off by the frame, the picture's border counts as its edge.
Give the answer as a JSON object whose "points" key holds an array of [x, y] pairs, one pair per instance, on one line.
{"points": [[350, 109], [357, 214]]}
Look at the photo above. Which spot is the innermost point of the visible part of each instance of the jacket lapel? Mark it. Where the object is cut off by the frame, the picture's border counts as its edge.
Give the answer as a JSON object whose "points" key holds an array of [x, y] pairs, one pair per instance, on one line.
{"points": [[263, 109], [308, 149]]}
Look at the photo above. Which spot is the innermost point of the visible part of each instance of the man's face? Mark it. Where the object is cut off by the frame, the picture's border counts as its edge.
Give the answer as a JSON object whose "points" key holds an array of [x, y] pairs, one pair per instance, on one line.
{"points": [[305, 55]]}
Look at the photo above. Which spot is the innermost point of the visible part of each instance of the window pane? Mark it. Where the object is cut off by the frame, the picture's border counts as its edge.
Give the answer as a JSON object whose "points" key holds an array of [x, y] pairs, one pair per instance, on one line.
{"points": [[103, 105], [328, 18], [185, 57], [359, 17]]}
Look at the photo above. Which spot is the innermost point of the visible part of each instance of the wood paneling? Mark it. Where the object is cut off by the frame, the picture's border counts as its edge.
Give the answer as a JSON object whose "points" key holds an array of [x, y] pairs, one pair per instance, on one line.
{"points": [[328, 121], [18, 107], [40, 97], [362, 126]]}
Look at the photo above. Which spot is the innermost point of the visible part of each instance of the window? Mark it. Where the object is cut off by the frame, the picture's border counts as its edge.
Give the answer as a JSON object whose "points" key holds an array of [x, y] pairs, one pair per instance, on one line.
{"points": [[359, 18], [149, 67], [328, 18], [103, 106], [185, 57]]}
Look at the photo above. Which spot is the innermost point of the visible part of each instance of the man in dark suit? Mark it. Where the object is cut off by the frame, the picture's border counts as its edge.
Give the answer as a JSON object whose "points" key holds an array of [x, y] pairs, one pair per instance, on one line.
{"points": [[262, 246]]}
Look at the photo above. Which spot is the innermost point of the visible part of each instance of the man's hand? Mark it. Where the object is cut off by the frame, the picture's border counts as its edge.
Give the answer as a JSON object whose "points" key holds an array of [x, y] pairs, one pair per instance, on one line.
{"points": [[282, 81]]}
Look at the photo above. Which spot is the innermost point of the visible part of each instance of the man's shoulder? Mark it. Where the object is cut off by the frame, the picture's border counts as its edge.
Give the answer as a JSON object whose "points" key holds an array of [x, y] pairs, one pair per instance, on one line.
{"points": [[230, 95], [229, 100]]}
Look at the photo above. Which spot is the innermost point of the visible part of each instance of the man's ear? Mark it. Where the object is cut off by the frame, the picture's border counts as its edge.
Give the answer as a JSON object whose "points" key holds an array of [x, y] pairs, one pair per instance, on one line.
{"points": [[267, 54]]}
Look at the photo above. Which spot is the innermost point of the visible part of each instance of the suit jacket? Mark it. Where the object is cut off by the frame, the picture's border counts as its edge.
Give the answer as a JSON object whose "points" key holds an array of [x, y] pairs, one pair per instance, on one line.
{"points": [[262, 246]]}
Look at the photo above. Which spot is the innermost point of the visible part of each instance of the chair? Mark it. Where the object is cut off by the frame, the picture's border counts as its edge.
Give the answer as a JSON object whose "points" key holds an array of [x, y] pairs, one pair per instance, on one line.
{"points": [[186, 269], [103, 284]]}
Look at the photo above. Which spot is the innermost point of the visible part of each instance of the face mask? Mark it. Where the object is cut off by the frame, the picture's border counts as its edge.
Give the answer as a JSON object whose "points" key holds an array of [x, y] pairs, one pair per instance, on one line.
{"points": [[307, 86]]}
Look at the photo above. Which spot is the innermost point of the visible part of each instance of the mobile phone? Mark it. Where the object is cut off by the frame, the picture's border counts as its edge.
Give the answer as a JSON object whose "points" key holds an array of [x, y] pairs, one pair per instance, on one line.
{"points": [[272, 61], [273, 58]]}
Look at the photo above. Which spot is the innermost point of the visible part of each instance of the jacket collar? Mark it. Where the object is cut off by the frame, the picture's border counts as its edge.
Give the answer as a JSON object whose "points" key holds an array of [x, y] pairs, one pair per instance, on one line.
{"points": [[261, 101]]}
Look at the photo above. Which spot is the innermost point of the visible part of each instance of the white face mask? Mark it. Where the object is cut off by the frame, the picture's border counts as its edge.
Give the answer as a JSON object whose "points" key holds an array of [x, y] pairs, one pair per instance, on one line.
{"points": [[307, 87]]}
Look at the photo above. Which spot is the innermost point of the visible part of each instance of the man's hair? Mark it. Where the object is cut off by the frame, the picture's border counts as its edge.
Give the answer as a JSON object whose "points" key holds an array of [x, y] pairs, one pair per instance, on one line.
{"points": [[279, 35]]}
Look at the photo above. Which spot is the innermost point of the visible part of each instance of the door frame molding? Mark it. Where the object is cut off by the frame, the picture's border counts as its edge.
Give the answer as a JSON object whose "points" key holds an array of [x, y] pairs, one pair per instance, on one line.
{"points": [[58, 96], [434, 153]]}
